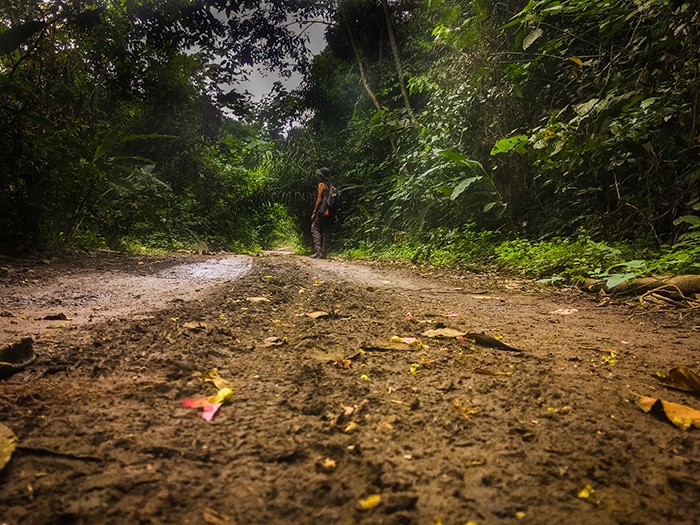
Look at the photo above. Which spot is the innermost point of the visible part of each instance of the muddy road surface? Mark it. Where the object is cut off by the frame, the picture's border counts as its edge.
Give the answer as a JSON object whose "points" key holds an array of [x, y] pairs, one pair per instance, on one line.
{"points": [[359, 394]]}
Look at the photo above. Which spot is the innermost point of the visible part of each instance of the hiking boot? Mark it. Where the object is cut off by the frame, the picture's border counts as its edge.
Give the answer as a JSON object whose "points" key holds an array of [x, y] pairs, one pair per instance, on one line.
{"points": [[316, 256]]}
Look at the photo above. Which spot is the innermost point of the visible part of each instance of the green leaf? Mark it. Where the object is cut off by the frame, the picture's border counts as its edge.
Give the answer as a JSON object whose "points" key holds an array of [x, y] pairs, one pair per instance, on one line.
{"points": [[583, 109], [459, 189], [516, 143], [693, 220], [634, 265], [460, 159], [530, 39], [618, 278]]}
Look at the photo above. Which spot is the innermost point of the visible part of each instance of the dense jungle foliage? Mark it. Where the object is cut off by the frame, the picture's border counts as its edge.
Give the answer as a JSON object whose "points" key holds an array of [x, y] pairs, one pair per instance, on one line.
{"points": [[558, 137]]}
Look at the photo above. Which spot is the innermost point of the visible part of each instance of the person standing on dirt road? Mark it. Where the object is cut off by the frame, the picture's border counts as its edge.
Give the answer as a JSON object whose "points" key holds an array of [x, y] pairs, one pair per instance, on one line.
{"points": [[321, 218]]}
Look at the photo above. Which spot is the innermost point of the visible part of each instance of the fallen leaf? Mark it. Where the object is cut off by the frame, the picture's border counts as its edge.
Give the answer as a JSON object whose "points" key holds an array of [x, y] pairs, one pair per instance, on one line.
{"points": [[273, 341], [682, 378], [195, 326], [257, 299], [8, 444], [485, 340], [680, 415], [213, 377], [564, 311], [410, 341], [212, 517], [415, 367], [443, 333], [350, 427], [210, 405], [610, 359], [342, 363], [365, 377], [55, 317], [370, 501], [328, 464], [318, 315], [451, 316], [587, 493], [466, 412]]}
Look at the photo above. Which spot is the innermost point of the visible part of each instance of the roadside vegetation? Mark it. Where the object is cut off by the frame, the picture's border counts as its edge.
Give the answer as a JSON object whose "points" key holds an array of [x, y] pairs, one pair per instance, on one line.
{"points": [[558, 139]]}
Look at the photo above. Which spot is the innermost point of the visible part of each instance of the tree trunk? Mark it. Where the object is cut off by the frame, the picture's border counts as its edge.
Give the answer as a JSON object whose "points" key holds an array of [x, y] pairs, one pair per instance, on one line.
{"points": [[397, 62], [363, 76]]}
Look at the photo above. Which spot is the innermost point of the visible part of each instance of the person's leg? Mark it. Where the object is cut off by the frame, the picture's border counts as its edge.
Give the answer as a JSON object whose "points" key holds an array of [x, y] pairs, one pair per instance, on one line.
{"points": [[317, 236], [326, 238]]}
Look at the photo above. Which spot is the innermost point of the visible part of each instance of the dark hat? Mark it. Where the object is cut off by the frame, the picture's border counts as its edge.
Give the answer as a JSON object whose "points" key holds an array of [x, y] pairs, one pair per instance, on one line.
{"points": [[324, 173]]}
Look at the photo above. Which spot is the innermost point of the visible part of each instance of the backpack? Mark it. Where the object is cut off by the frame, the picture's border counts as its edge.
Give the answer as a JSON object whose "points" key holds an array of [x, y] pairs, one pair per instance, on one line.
{"points": [[332, 201], [334, 198]]}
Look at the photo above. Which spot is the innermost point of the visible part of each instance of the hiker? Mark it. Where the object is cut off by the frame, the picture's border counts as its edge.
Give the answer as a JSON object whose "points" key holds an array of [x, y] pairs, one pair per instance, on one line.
{"points": [[322, 218]]}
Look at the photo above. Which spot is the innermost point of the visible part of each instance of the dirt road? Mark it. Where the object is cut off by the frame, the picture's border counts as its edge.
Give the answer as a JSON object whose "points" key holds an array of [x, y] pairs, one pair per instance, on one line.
{"points": [[330, 420]]}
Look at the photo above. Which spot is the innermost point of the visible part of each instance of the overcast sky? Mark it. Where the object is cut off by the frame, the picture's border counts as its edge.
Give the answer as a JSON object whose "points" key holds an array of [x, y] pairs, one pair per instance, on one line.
{"points": [[260, 84]]}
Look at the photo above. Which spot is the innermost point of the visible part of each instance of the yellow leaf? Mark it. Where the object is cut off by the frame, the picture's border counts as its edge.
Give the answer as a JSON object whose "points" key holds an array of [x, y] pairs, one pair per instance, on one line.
{"points": [[587, 493], [267, 276], [576, 60], [328, 463], [680, 415], [610, 359], [221, 396], [464, 410], [8, 444], [371, 501], [365, 377], [350, 427], [213, 377]]}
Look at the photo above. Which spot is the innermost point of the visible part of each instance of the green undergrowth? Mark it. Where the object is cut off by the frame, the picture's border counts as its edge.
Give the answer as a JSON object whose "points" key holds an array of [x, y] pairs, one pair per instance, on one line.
{"points": [[563, 260]]}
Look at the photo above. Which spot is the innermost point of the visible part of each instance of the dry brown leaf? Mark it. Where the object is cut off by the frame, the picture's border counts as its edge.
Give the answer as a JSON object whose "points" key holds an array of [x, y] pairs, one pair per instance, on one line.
{"points": [[680, 415], [317, 315], [257, 299], [213, 517], [682, 378], [443, 333], [465, 411], [195, 326]]}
